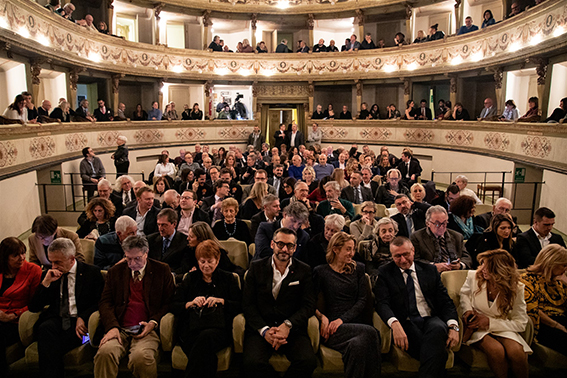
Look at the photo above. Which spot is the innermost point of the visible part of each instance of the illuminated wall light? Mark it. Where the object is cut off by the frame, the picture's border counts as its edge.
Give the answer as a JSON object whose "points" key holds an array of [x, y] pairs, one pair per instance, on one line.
{"points": [[245, 72], [4, 23], [221, 71], [24, 32], [212, 30], [43, 40], [95, 57], [267, 73], [556, 33], [164, 88], [412, 66], [177, 69], [514, 47], [457, 60], [389, 68], [477, 57], [535, 40], [283, 4]]}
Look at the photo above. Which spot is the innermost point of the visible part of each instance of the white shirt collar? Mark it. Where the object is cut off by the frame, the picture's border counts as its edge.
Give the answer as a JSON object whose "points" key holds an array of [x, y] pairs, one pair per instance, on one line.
{"points": [[142, 272]]}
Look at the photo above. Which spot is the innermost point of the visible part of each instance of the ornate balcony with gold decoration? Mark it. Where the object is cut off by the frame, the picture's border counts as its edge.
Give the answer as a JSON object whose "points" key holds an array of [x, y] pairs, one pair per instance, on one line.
{"points": [[27, 28]]}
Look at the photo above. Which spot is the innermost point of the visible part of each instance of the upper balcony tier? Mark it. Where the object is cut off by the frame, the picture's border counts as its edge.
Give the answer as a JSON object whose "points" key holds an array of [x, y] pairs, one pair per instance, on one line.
{"points": [[28, 29]]}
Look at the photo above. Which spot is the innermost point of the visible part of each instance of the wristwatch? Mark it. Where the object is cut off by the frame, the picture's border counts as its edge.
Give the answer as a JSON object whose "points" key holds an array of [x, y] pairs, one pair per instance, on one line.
{"points": [[454, 327], [288, 324]]}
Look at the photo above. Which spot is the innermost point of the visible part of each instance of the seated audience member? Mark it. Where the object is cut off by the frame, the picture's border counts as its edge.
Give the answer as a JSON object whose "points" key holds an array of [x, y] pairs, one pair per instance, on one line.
{"points": [[462, 181], [62, 112], [417, 195], [83, 110], [323, 169], [155, 113], [66, 11], [139, 114], [43, 110], [188, 163], [189, 213], [383, 167], [253, 204], [488, 19], [434, 33], [409, 168], [71, 290], [229, 226], [489, 112], [215, 44], [438, 245], [461, 217], [277, 315], [296, 170], [19, 280], [510, 113], [345, 324], [308, 177], [408, 220], [498, 235], [515, 10], [451, 193], [295, 215], [282, 47], [381, 43], [345, 114], [423, 112], [400, 39], [467, 27], [136, 296], [317, 246], [303, 48], [332, 47], [546, 297], [53, 5], [460, 113], [320, 47], [260, 175], [423, 321], [411, 112], [171, 113], [341, 161], [355, 192], [270, 213], [100, 219], [123, 193], [354, 45], [368, 43], [108, 247], [200, 186], [205, 305], [532, 115], [441, 110], [167, 245], [171, 199], [120, 115], [502, 206], [164, 167], [529, 243], [44, 231], [212, 205], [103, 28], [144, 212], [339, 175], [314, 136], [420, 37], [374, 112], [367, 182], [558, 113], [378, 252], [494, 311], [364, 113], [102, 113], [196, 114], [333, 204], [387, 193], [363, 228], [161, 185], [287, 189], [318, 194]]}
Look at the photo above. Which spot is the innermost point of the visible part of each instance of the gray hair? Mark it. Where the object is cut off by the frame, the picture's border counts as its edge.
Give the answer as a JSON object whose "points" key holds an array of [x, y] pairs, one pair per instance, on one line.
{"points": [[335, 220], [119, 181], [503, 199], [135, 242], [384, 221], [123, 223], [434, 210], [63, 245], [462, 178], [389, 173], [366, 204], [103, 182], [297, 210], [268, 199], [334, 185], [122, 137]]}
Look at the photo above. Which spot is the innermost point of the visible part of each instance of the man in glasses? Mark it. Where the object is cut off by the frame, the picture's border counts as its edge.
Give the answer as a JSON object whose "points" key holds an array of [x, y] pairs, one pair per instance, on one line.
{"points": [[278, 300], [438, 245]]}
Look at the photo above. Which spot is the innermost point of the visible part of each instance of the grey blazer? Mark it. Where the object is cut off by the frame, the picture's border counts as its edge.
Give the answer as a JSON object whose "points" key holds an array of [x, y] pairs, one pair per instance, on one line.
{"points": [[426, 249]]}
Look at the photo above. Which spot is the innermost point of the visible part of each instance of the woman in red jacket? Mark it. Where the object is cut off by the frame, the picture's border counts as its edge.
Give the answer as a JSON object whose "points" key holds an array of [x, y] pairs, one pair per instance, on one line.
{"points": [[18, 281]]}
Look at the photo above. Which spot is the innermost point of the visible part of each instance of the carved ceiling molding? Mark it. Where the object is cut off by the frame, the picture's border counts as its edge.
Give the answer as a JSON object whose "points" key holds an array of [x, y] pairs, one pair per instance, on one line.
{"points": [[282, 91]]}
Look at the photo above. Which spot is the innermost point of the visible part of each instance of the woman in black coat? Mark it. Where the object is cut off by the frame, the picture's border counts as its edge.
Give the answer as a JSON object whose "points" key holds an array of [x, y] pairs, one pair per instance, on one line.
{"points": [[120, 156], [497, 236], [205, 305]]}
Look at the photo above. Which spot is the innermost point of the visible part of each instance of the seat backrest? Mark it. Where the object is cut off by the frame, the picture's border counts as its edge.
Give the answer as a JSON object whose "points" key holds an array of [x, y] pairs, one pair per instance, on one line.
{"points": [[381, 210], [357, 208], [248, 222], [481, 209], [252, 249], [453, 280], [377, 178], [237, 252], [365, 249], [88, 250]]}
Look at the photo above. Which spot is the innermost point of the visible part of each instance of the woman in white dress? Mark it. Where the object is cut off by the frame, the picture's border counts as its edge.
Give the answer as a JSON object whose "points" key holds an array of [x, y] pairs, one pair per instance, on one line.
{"points": [[494, 311]]}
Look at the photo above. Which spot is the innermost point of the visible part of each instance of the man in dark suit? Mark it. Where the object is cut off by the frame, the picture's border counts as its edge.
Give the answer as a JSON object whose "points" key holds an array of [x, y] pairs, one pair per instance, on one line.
{"points": [[72, 290], [276, 181], [409, 221], [270, 213], [412, 300], [200, 186], [282, 47], [123, 194], [294, 216], [256, 139], [318, 113], [345, 114], [451, 193], [278, 300], [529, 243], [294, 138], [102, 113], [260, 175], [83, 110], [188, 213], [212, 205], [424, 112], [367, 181], [502, 206], [409, 168], [108, 247], [438, 245], [167, 245], [136, 296], [355, 192], [144, 212]]}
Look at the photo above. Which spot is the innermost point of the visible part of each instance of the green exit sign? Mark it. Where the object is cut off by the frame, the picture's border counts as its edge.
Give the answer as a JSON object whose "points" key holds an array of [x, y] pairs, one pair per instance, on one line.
{"points": [[55, 177], [520, 175]]}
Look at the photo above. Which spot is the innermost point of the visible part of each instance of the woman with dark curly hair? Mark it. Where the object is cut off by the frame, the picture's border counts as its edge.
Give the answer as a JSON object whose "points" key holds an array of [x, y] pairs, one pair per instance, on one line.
{"points": [[100, 219], [461, 218]]}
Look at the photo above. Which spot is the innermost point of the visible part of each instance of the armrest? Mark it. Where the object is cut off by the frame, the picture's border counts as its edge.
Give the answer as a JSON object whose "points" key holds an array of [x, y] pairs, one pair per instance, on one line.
{"points": [[25, 326], [166, 330], [529, 332], [94, 321], [313, 332], [238, 325], [385, 332]]}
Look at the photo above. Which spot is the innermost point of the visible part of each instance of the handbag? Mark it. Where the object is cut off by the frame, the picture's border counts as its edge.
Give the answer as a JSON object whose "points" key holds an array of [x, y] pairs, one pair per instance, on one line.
{"points": [[201, 318]]}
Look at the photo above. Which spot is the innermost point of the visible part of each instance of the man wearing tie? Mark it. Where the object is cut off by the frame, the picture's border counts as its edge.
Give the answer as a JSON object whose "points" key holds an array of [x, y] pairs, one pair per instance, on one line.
{"points": [[355, 192], [408, 220], [72, 290], [409, 168], [167, 244], [489, 112], [412, 300], [424, 112], [212, 205]]}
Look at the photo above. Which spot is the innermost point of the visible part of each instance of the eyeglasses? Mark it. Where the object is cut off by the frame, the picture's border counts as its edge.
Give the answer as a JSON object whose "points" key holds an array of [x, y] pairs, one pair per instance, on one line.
{"points": [[186, 198], [281, 245], [439, 224], [405, 255], [368, 212]]}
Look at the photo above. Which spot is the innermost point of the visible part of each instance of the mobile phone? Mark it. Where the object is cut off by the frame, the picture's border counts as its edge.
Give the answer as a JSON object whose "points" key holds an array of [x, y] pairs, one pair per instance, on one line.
{"points": [[134, 330], [455, 261], [86, 339]]}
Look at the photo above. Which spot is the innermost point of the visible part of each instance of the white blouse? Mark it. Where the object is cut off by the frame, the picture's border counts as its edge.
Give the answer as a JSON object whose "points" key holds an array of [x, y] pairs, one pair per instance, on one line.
{"points": [[167, 170]]}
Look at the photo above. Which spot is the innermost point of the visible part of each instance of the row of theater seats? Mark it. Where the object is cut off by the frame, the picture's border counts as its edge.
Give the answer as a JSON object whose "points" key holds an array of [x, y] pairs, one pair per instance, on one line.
{"points": [[330, 360]]}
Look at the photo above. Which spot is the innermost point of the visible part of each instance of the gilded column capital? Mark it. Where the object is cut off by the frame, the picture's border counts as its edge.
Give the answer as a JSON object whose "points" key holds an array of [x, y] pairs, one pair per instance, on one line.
{"points": [[207, 18], [310, 21], [116, 82], [254, 21]]}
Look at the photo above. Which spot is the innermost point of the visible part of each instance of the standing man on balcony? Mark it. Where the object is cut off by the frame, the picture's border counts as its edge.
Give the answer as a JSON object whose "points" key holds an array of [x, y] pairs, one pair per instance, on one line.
{"points": [[102, 113], [92, 171]]}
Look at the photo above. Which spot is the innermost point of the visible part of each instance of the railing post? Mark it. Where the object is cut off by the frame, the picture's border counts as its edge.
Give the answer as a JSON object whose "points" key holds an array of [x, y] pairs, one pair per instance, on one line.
{"points": [[534, 200], [433, 175], [44, 198], [72, 192], [503, 181]]}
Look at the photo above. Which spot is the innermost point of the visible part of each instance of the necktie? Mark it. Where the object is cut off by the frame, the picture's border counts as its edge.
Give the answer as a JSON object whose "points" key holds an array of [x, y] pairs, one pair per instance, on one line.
{"points": [[64, 306], [165, 246], [409, 223], [136, 275], [277, 184], [423, 112], [414, 315], [217, 213], [407, 170], [356, 195], [444, 255]]}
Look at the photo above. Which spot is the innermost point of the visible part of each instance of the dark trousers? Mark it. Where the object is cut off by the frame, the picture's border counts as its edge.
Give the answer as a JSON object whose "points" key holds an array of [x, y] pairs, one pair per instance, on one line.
{"points": [[298, 351], [8, 335], [122, 168], [52, 344], [428, 345], [91, 189], [201, 350], [360, 346], [553, 338]]}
